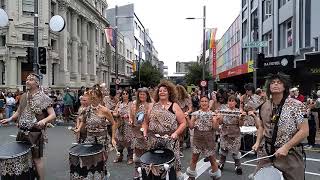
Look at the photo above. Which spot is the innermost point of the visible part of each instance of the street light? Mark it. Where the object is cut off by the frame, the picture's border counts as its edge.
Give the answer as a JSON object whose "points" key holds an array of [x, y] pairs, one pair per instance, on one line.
{"points": [[203, 46], [116, 45]]}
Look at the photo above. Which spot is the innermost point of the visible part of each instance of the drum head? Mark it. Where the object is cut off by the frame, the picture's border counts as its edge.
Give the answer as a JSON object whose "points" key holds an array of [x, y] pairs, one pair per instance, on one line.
{"points": [[14, 149], [86, 149], [268, 173], [157, 156]]}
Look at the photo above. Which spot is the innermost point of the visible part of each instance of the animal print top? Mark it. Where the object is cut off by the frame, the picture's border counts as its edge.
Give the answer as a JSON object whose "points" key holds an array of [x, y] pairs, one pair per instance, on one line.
{"points": [[35, 105], [110, 103], [230, 125], [293, 114], [94, 123], [203, 120], [161, 120]]}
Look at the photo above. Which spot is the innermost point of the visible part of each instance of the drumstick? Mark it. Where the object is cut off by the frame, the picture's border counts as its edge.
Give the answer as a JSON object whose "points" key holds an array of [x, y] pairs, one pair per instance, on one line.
{"points": [[257, 159], [246, 154]]}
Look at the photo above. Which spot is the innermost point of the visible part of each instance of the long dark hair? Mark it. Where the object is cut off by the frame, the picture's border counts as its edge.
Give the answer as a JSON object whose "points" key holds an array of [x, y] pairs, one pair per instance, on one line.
{"points": [[284, 78]]}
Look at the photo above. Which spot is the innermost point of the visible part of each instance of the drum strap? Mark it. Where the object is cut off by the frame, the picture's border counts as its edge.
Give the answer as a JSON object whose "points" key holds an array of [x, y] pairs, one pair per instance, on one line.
{"points": [[275, 119]]}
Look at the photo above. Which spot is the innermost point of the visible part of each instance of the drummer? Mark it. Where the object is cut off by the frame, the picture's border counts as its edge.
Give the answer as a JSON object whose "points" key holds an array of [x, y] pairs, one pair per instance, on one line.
{"points": [[165, 117], [33, 113], [124, 130], [230, 135], [204, 123], [139, 144], [285, 126], [96, 118]]}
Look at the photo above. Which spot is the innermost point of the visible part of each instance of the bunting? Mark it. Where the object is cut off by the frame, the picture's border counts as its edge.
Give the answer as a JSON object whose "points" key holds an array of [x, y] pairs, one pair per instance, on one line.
{"points": [[110, 36]]}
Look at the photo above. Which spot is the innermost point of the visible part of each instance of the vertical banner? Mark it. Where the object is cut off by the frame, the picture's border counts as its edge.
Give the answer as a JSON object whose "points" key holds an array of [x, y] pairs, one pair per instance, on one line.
{"points": [[213, 47]]}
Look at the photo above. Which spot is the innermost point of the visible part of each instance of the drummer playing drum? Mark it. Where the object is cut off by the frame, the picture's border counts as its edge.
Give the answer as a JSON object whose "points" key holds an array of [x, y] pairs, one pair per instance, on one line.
{"points": [[285, 126], [33, 113]]}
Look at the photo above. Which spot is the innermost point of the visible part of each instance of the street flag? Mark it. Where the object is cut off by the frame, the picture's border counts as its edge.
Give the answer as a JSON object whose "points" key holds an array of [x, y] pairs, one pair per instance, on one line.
{"points": [[110, 36], [213, 38]]}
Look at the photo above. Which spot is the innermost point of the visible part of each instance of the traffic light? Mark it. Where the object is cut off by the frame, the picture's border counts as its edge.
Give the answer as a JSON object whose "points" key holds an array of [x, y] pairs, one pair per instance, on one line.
{"points": [[42, 55], [29, 54], [43, 69]]}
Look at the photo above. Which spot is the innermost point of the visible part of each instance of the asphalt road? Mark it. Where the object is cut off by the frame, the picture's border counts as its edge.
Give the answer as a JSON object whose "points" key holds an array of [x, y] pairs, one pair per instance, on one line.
{"points": [[61, 139]]}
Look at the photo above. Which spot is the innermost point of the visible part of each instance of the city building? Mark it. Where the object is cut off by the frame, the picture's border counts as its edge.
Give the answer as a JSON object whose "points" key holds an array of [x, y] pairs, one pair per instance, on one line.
{"points": [[130, 26], [291, 30], [76, 56], [182, 67]]}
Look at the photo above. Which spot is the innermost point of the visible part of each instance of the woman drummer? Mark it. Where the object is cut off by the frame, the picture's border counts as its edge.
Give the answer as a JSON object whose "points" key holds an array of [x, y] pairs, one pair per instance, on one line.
{"points": [[204, 123], [165, 117], [124, 131], [95, 120], [80, 130], [139, 144], [230, 139]]}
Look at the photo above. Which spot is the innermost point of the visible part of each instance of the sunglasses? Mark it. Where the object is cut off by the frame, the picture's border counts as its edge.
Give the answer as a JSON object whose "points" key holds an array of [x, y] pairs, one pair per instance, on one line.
{"points": [[124, 93]]}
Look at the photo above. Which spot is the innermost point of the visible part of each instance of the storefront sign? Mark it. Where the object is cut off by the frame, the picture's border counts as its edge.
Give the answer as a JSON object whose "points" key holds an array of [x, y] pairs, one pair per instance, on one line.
{"points": [[276, 62], [250, 66], [242, 69]]}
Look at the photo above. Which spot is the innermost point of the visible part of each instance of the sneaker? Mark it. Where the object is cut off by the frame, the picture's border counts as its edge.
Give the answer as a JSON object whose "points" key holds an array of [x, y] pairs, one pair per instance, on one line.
{"points": [[181, 154], [238, 170], [308, 147]]}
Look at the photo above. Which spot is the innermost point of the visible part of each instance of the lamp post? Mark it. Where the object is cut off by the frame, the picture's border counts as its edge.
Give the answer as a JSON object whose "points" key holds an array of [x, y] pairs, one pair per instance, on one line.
{"points": [[116, 45], [203, 46]]}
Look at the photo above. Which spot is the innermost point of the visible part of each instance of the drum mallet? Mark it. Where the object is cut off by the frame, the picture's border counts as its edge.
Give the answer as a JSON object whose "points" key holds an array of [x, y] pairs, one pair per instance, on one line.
{"points": [[167, 167], [257, 159], [247, 154], [140, 172]]}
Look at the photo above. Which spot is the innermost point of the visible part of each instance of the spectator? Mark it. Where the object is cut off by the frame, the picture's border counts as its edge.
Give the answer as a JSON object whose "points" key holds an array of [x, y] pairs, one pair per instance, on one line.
{"points": [[10, 103], [2, 103], [68, 102], [296, 94]]}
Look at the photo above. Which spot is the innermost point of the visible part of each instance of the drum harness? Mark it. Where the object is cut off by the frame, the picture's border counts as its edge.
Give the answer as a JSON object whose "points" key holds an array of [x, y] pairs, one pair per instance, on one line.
{"points": [[275, 120]]}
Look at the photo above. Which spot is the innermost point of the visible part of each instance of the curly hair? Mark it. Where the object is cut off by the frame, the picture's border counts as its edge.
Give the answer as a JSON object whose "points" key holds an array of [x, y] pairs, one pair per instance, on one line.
{"points": [[96, 93], [284, 78], [181, 93], [171, 91]]}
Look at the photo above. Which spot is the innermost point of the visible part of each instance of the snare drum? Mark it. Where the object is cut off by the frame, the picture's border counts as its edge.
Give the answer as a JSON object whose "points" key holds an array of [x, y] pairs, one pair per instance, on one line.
{"points": [[158, 164], [16, 161], [87, 162], [248, 137], [268, 173]]}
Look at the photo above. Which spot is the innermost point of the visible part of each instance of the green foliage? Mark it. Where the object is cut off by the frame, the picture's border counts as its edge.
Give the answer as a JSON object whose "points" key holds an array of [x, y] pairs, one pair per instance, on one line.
{"points": [[149, 75], [194, 75]]}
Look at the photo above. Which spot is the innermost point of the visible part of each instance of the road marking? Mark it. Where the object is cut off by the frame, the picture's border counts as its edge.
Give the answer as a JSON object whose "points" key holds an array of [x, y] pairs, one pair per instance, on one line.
{"points": [[312, 159], [11, 135], [203, 166]]}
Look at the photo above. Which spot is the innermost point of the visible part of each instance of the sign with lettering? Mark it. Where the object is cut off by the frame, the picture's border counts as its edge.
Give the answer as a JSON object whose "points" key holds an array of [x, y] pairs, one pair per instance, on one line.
{"points": [[276, 62], [255, 44]]}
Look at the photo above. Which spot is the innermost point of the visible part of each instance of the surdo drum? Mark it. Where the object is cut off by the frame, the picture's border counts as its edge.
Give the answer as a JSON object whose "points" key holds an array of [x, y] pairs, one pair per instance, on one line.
{"points": [[16, 161], [158, 164], [268, 173], [87, 162]]}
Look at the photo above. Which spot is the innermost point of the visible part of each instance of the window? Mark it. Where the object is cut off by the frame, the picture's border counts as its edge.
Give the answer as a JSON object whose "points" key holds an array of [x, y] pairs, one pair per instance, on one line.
{"points": [[316, 44], [136, 25], [251, 4], [54, 44], [268, 50], [28, 37], [3, 4], [267, 9], [136, 43], [2, 40], [289, 33], [128, 54], [53, 8], [254, 20], [244, 29], [28, 7], [96, 36], [282, 2], [244, 2]]}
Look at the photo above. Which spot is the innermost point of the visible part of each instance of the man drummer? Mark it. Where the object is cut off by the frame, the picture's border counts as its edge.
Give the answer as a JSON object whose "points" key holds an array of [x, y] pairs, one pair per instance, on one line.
{"points": [[33, 113], [285, 126]]}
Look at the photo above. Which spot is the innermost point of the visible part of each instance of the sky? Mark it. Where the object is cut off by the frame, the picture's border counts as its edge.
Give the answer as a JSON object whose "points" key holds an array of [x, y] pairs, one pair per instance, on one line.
{"points": [[174, 37]]}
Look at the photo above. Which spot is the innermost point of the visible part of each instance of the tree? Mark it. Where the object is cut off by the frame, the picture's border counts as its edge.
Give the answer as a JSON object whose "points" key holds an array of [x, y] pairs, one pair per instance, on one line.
{"points": [[149, 75], [194, 75]]}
